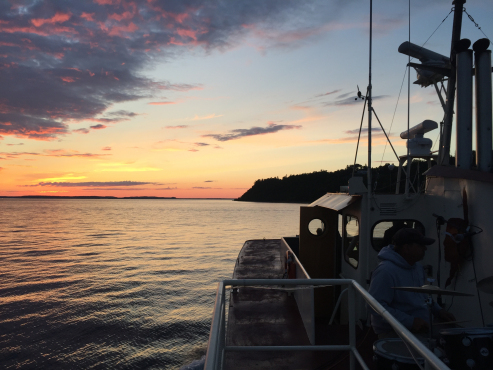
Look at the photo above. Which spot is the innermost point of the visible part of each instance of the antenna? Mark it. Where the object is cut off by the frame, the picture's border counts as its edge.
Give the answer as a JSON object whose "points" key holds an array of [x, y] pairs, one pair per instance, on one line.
{"points": [[369, 110], [360, 95]]}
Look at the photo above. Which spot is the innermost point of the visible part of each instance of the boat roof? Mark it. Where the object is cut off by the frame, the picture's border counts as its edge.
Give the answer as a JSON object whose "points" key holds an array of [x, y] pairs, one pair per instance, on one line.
{"points": [[335, 201]]}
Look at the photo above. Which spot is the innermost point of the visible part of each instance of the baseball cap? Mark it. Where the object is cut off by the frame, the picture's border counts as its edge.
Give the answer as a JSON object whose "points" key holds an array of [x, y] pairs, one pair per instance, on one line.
{"points": [[408, 235]]}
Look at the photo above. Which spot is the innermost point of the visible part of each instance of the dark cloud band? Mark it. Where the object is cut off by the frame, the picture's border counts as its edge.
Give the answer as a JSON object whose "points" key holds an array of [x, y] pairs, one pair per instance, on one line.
{"points": [[72, 61], [239, 133]]}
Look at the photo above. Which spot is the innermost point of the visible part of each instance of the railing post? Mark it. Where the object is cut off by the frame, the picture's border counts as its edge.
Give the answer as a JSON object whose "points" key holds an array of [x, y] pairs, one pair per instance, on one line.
{"points": [[222, 334], [352, 326]]}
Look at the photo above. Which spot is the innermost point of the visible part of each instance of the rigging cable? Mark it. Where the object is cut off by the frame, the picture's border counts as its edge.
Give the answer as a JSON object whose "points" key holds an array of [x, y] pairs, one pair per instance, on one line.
{"points": [[477, 25], [409, 160]]}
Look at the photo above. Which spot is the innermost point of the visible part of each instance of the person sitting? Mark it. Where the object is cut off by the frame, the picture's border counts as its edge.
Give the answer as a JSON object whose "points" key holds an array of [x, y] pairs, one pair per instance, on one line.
{"points": [[399, 267]]}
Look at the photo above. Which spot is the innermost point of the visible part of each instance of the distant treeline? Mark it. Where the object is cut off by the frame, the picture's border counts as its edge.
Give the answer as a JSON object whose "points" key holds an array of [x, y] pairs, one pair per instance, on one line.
{"points": [[308, 187]]}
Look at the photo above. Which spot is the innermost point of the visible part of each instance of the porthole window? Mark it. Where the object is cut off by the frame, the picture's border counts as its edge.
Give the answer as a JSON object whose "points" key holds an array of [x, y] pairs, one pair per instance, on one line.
{"points": [[316, 227], [383, 231], [350, 237]]}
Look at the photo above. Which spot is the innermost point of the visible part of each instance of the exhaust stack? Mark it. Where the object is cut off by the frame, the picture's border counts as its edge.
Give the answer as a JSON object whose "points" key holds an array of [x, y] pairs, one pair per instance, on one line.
{"points": [[463, 157], [482, 58]]}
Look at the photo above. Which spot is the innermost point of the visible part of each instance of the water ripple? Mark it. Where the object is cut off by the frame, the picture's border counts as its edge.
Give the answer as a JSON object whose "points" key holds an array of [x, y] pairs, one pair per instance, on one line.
{"points": [[119, 284]]}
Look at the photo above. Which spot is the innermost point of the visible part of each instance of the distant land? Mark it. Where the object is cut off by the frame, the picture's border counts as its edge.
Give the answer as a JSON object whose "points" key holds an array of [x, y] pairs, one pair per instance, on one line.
{"points": [[308, 187], [80, 197], [302, 188]]}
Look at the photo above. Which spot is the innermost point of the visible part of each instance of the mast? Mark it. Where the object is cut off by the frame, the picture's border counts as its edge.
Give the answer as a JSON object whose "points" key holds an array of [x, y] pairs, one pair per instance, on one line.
{"points": [[370, 113], [444, 150], [369, 110]]}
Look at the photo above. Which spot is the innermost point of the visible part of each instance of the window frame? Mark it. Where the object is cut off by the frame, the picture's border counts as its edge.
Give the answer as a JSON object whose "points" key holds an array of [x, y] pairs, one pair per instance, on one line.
{"points": [[345, 249], [422, 229]]}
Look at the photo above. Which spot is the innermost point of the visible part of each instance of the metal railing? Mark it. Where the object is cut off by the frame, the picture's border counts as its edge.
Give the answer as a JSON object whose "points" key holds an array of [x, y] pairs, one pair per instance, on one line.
{"points": [[217, 337]]}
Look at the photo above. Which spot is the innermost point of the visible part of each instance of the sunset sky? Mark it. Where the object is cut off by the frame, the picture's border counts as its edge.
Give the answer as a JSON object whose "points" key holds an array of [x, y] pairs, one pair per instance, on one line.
{"points": [[201, 98]]}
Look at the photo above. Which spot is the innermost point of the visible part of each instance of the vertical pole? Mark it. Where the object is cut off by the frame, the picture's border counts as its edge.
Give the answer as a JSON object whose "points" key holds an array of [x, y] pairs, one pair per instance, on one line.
{"points": [[352, 325], [409, 160], [367, 229], [408, 173], [222, 334], [370, 107], [463, 113], [483, 110], [444, 150], [399, 175]]}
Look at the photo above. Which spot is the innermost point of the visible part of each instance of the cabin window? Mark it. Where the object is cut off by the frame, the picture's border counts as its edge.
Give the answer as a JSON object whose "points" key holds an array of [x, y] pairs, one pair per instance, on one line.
{"points": [[316, 227], [383, 231], [350, 239]]}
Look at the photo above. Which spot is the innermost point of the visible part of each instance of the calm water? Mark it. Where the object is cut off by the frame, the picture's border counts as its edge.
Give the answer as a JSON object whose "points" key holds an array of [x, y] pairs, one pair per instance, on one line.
{"points": [[119, 284]]}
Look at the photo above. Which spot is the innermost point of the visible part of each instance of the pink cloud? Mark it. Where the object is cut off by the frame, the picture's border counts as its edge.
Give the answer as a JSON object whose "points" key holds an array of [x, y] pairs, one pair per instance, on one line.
{"points": [[189, 33], [57, 18], [82, 131], [175, 127], [120, 30], [107, 2], [162, 103], [46, 32], [119, 17], [88, 16]]}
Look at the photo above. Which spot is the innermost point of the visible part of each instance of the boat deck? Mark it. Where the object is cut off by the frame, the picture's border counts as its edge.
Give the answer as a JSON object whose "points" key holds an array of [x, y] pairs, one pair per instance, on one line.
{"points": [[269, 316]]}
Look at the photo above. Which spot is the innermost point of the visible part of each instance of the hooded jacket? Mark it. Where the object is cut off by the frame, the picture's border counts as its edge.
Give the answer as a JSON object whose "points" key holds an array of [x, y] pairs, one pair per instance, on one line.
{"points": [[394, 271]]}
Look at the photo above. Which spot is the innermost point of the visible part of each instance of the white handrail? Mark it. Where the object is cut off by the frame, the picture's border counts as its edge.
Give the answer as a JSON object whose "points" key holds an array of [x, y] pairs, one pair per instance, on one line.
{"points": [[217, 347]]}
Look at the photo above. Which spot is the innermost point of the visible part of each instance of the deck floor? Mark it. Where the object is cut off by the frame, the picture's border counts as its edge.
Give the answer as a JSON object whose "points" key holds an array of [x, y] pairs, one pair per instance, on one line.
{"points": [[269, 316]]}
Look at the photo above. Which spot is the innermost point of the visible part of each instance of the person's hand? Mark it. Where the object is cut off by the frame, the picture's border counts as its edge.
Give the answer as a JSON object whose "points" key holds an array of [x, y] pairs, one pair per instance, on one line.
{"points": [[446, 316], [419, 325]]}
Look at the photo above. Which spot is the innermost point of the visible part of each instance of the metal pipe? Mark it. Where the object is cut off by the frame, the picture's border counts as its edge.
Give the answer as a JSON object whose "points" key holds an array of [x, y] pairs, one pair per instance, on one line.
{"points": [[483, 109], [439, 93], [360, 359], [352, 325], [408, 171], [444, 152], [303, 282], [222, 331], [463, 156], [287, 348], [336, 307], [214, 337], [370, 97], [369, 208]]}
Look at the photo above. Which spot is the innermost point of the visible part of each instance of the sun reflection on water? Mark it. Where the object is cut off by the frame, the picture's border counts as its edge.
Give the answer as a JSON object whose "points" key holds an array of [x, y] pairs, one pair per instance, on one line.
{"points": [[119, 283]]}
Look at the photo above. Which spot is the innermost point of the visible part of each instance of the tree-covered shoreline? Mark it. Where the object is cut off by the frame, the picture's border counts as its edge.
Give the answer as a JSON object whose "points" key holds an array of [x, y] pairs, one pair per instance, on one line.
{"points": [[308, 187]]}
